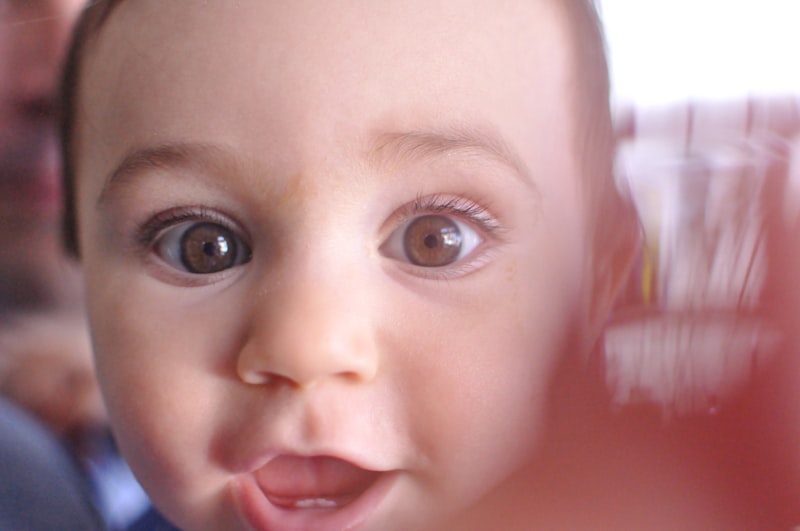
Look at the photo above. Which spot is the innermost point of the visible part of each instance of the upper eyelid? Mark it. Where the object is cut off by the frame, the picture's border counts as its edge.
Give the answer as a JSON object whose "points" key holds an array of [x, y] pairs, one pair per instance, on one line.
{"points": [[473, 211], [161, 221]]}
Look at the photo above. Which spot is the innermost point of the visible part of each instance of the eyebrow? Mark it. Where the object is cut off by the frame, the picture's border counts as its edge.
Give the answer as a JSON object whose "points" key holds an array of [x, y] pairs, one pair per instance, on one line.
{"points": [[161, 157], [404, 147], [398, 147]]}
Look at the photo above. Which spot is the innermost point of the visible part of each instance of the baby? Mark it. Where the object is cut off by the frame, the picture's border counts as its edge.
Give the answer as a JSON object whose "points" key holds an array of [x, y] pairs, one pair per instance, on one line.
{"points": [[335, 251]]}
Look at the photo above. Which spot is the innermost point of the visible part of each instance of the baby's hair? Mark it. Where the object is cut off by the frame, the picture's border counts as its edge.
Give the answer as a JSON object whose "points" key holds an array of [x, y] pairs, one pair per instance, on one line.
{"points": [[88, 26], [611, 216]]}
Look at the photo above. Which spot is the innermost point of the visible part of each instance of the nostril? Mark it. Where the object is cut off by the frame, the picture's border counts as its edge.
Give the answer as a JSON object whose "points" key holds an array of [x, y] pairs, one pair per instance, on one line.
{"points": [[255, 378], [255, 373], [266, 378], [302, 351], [356, 376]]}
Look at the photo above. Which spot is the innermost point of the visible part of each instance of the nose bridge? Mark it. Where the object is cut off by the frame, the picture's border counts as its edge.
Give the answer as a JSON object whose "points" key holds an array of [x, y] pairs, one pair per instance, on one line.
{"points": [[310, 325]]}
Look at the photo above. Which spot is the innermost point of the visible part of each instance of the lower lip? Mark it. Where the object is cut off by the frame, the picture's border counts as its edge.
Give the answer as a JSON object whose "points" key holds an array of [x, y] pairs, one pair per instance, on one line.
{"points": [[262, 515]]}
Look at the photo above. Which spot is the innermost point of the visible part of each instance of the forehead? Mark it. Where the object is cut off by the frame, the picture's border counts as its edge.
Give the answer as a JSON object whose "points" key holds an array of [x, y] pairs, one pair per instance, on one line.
{"points": [[404, 63]]}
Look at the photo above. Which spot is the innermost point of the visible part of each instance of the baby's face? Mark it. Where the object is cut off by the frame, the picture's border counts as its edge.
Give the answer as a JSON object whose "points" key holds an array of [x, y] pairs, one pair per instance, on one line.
{"points": [[334, 251]]}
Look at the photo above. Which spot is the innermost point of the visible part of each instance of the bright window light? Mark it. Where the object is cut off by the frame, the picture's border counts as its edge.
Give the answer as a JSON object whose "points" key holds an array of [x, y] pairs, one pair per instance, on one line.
{"points": [[663, 52]]}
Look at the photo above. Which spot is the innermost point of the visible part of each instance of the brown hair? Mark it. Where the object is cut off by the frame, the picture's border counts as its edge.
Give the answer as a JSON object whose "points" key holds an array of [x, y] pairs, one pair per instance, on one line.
{"points": [[87, 27]]}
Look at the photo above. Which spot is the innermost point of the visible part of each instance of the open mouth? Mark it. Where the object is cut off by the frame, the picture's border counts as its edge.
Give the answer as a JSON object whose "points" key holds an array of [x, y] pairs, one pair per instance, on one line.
{"points": [[322, 483], [311, 493]]}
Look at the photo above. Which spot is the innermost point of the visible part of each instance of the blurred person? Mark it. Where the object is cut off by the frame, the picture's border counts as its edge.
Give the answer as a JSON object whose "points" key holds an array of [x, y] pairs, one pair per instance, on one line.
{"points": [[41, 489], [45, 357], [46, 368], [34, 272]]}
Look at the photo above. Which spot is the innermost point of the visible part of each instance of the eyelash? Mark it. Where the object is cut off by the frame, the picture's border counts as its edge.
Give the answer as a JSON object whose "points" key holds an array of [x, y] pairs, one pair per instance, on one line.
{"points": [[441, 204], [466, 209], [147, 235], [470, 211]]}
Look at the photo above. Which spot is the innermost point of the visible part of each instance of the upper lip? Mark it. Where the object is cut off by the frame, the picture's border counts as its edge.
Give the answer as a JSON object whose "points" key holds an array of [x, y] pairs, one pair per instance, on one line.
{"points": [[354, 457], [308, 433]]}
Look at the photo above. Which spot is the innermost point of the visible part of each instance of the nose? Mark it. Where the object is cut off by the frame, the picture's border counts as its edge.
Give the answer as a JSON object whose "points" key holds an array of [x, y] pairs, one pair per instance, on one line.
{"points": [[308, 331]]}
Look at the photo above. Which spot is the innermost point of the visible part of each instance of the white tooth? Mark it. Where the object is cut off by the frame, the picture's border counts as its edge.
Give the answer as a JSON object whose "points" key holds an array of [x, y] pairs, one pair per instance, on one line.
{"points": [[314, 502]]}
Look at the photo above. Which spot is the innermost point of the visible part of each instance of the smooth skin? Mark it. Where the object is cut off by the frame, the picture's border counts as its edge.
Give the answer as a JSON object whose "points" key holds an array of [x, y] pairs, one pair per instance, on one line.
{"points": [[314, 134]]}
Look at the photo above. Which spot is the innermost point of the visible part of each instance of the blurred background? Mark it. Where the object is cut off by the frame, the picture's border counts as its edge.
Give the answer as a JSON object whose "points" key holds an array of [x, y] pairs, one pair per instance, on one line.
{"points": [[673, 52], [705, 98]]}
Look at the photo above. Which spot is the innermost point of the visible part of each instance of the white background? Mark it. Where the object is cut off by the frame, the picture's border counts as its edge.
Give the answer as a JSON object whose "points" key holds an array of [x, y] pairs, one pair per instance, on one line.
{"points": [[663, 51]]}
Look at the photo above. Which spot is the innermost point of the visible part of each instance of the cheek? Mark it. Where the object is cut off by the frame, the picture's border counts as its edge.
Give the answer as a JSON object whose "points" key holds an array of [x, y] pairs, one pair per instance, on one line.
{"points": [[164, 382], [477, 381]]}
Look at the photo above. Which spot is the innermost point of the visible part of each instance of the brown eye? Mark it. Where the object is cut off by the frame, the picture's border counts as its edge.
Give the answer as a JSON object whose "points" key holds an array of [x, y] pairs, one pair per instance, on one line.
{"points": [[208, 248], [432, 241], [202, 248]]}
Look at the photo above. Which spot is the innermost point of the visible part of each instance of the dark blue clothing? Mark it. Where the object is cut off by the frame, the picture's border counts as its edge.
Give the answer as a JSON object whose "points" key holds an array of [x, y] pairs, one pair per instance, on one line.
{"points": [[152, 521], [41, 488]]}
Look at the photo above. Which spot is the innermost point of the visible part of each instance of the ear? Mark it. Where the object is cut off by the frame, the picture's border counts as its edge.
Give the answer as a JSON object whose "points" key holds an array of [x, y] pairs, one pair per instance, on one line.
{"points": [[616, 249]]}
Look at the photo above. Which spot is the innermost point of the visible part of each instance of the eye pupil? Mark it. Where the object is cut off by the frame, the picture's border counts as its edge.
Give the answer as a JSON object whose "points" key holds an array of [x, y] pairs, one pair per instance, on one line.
{"points": [[208, 248], [432, 241]]}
